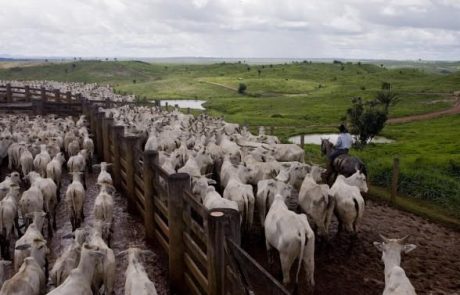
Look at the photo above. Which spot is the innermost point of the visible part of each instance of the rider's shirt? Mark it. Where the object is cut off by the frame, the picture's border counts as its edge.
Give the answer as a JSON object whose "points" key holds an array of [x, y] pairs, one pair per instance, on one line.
{"points": [[344, 141]]}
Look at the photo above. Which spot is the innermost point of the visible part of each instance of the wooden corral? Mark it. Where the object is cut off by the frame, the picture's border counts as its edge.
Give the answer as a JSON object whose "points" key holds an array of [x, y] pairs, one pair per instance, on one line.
{"points": [[203, 247]]}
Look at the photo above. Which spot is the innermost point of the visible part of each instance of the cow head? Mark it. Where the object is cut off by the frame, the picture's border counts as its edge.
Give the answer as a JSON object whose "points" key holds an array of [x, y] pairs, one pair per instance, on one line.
{"points": [[392, 249]]}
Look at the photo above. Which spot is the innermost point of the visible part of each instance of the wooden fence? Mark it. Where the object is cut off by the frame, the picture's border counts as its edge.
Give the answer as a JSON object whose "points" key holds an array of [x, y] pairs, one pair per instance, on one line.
{"points": [[39, 101], [203, 247]]}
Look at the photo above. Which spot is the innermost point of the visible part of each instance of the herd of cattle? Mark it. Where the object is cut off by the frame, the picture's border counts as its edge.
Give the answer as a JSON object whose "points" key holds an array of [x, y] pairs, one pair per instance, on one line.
{"points": [[37, 149], [232, 168], [229, 168], [92, 91]]}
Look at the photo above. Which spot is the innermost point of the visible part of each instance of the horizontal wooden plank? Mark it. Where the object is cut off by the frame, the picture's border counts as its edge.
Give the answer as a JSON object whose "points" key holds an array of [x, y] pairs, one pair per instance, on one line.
{"points": [[196, 272], [161, 171], [140, 197], [195, 250], [164, 244], [192, 287], [161, 207], [123, 163], [123, 174], [161, 191], [197, 230], [195, 204], [140, 209], [139, 181], [162, 225]]}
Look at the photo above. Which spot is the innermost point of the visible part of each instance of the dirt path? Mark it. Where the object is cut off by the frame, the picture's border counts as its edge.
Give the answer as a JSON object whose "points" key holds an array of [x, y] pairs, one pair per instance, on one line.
{"points": [[433, 268], [220, 85], [128, 230], [455, 109]]}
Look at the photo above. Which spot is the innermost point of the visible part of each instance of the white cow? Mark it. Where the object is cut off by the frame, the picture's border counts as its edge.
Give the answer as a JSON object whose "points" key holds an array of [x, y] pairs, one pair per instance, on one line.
{"points": [[267, 189], [396, 281], [315, 201], [292, 236], [349, 204], [137, 281]]}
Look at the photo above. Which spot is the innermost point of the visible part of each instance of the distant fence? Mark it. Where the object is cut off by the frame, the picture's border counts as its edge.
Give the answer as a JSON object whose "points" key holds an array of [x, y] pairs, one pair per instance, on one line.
{"points": [[203, 247], [39, 101]]}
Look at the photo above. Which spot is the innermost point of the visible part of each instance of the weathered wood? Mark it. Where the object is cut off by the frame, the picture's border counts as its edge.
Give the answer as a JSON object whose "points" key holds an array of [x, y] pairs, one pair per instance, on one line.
{"points": [[162, 241], [253, 271], [195, 271], [129, 142], [161, 225], [195, 250], [302, 140], [68, 96], [106, 126], [117, 133], [150, 158], [191, 285], [222, 223], [9, 94], [161, 207], [99, 138], [395, 179], [27, 93], [57, 95], [177, 183]]}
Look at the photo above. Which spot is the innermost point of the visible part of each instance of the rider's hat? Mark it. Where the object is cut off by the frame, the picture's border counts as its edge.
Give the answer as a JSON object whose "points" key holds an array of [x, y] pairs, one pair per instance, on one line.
{"points": [[342, 128]]}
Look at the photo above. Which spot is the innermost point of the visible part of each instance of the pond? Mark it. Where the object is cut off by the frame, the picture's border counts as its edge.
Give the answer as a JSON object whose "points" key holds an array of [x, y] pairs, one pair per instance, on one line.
{"points": [[316, 138], [184, 103]]}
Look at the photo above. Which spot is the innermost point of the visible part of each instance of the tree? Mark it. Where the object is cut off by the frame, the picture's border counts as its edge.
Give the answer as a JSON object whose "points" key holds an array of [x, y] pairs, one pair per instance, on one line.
{"points": [[367, 119], [242, 88], [386, 96]]}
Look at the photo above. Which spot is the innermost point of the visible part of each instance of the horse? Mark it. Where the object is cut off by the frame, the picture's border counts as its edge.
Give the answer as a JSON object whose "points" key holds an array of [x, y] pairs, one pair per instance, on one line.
{"points": [[343, 164]]}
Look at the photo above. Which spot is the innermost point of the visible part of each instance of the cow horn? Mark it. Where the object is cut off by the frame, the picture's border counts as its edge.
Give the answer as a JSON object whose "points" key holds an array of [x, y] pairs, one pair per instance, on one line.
{"points": [[403, 239], [385, 239]]}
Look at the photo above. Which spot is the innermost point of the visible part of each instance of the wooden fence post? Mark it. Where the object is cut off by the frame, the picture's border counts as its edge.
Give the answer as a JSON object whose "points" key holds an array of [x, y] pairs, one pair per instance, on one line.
{"points": [[100, 143], [92, 113], [117, 133], [222, 224], [27, 93], [9, 94], [177, 184], [302, 140], [57, 95], [150, 159], [130, 142], [394, 179], [106, 124], [68, 96]]}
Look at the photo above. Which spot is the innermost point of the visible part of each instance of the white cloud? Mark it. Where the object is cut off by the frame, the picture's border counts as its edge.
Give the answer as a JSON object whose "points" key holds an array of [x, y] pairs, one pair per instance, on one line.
{"points": [[429, 29]]}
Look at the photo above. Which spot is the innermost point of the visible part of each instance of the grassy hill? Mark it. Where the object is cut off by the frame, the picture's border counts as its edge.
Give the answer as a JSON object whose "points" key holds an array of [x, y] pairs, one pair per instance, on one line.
{"points": [[306, 97]]}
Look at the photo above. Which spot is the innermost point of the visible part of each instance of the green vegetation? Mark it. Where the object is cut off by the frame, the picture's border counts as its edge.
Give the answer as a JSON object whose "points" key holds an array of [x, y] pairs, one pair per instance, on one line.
{"points": [[307, 98]]}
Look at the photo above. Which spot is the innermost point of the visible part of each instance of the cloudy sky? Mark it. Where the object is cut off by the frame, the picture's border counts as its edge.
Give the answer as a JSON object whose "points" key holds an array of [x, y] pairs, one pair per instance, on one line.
{"points": [[391, 29]]}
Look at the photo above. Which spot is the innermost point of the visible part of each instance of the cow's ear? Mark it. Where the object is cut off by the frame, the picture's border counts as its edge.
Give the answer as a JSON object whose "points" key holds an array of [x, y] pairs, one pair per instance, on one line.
{"points": [[408, 247], [379, 245]]}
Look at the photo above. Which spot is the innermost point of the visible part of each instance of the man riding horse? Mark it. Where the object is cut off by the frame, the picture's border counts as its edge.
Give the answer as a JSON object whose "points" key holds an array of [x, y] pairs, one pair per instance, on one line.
{"points": [[339, 162]]}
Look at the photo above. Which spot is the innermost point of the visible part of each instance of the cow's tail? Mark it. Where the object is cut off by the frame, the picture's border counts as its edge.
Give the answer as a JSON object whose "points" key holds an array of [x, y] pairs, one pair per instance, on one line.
{"points": [[246, 209], [301, 234], [266, 204], [358, 211], [1, 220]]}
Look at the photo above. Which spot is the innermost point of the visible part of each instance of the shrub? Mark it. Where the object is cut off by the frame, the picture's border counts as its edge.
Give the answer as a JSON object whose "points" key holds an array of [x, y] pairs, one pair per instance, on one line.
{"points": [[277, 116], [242, 88]]}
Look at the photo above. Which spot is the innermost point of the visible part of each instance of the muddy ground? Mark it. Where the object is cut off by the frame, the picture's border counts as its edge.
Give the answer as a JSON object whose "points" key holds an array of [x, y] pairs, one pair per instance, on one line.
{"points": [[433, 268], [128, 231]]}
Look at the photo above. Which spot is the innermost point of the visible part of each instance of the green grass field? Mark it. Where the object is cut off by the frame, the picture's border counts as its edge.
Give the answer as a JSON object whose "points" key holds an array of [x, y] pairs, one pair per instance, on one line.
{"points": [[307, 98]]}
